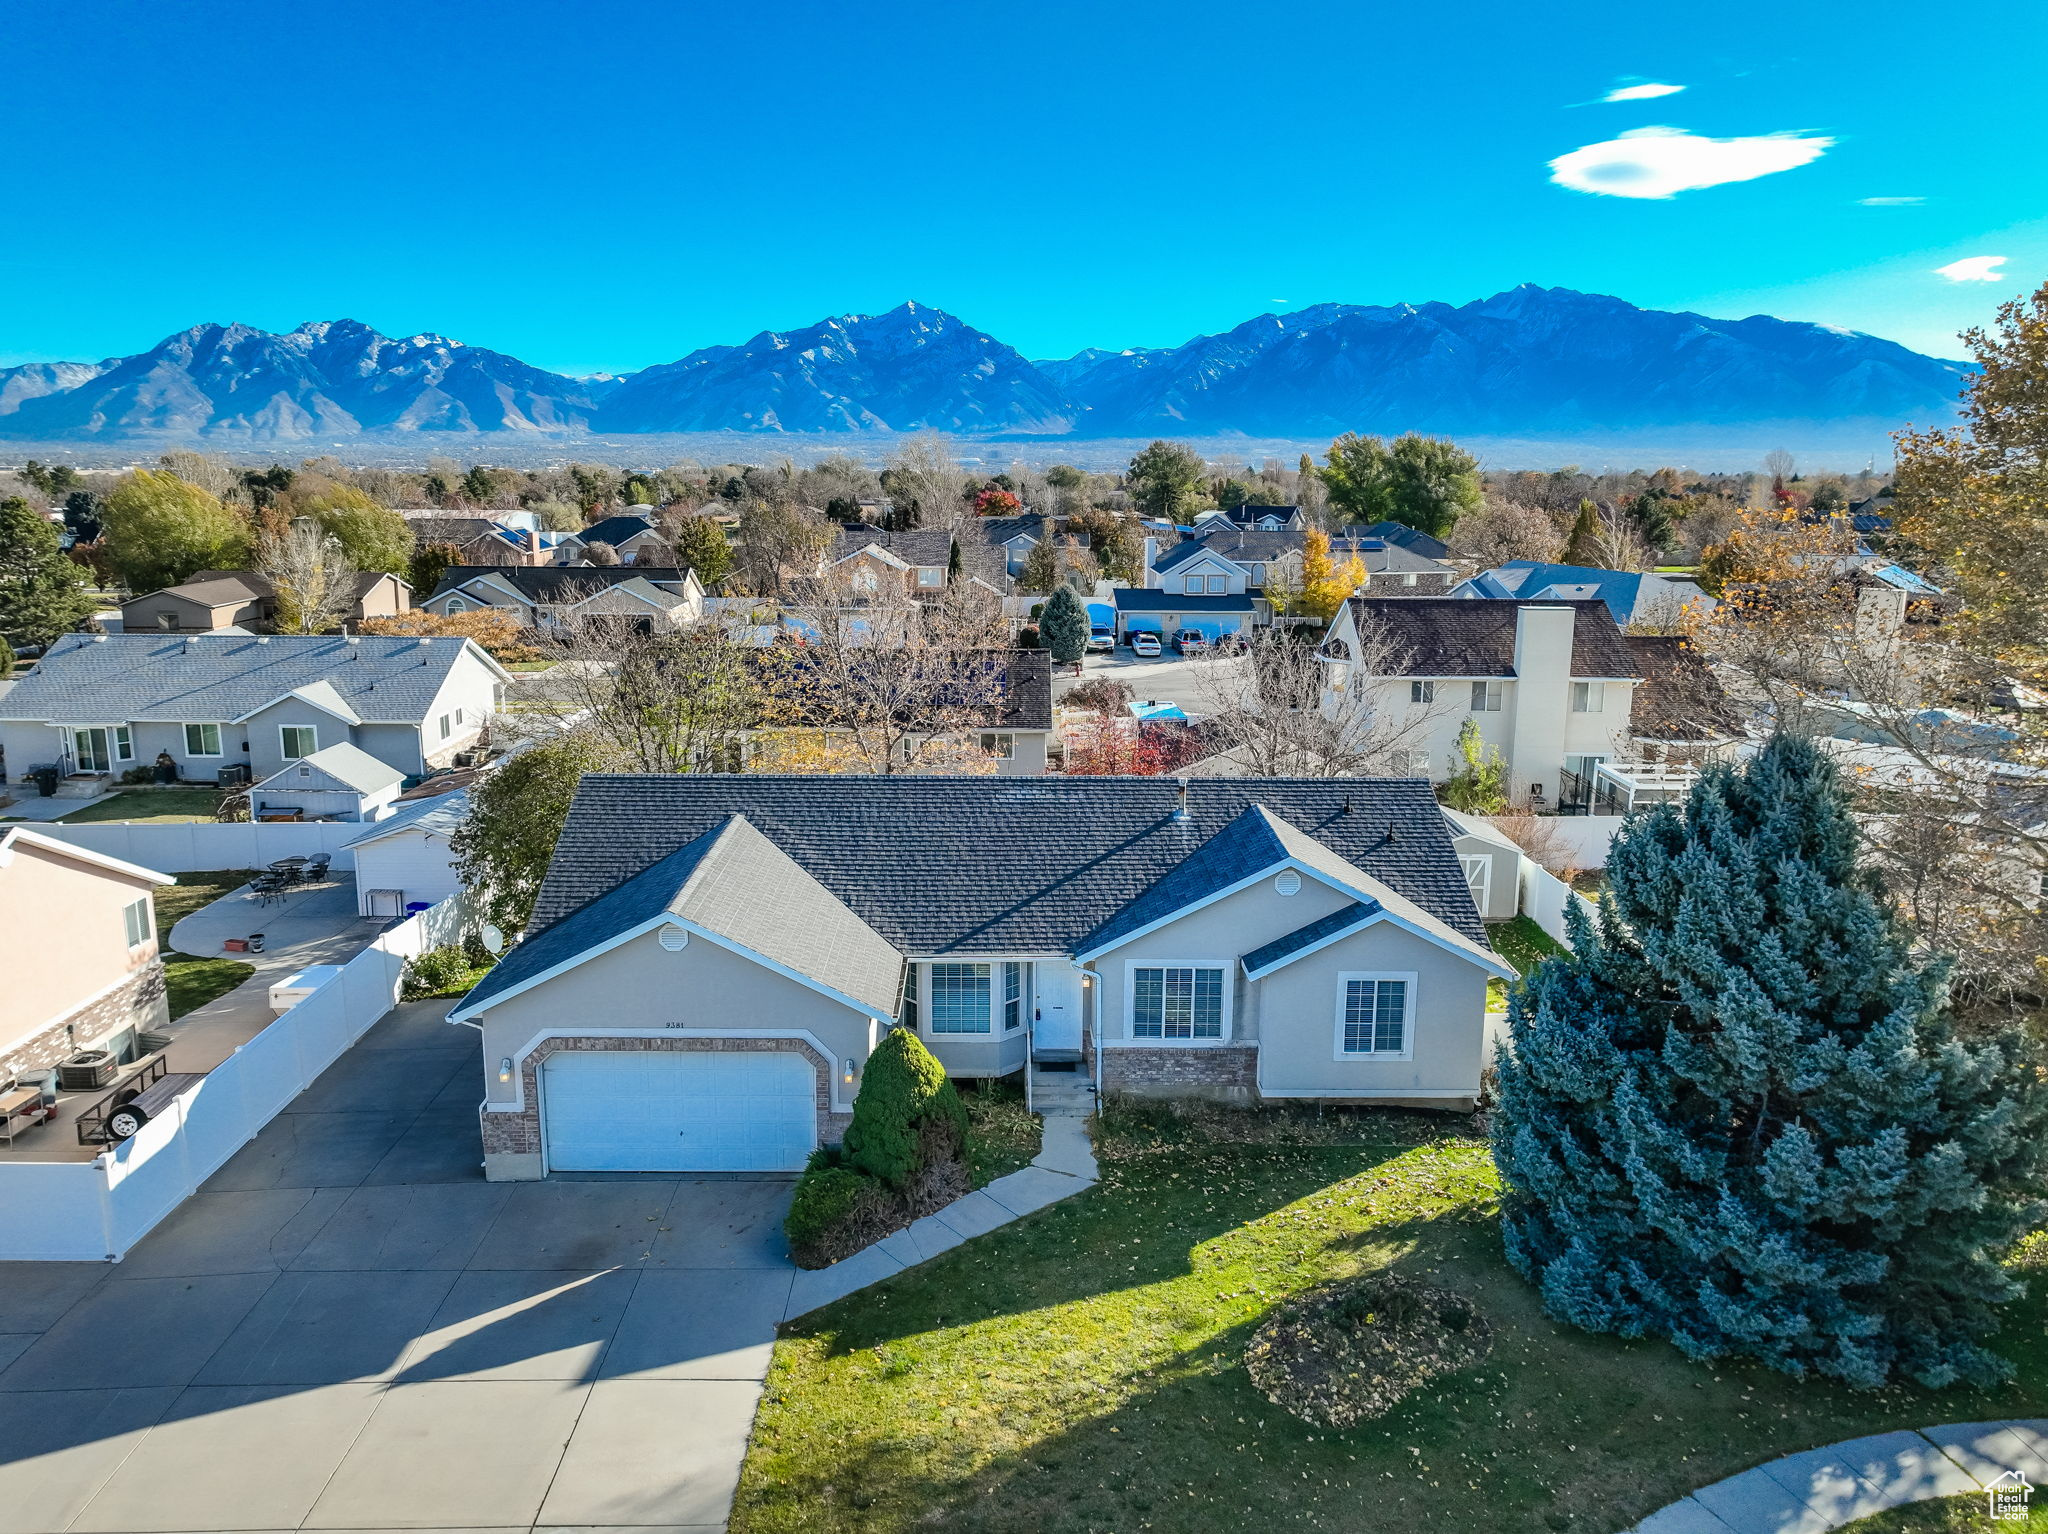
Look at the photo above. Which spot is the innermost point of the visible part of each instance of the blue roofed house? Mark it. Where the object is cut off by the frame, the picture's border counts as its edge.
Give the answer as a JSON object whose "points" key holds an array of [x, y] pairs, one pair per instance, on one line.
{"points": [[713, 957], [1631, 596], [97, 705]]}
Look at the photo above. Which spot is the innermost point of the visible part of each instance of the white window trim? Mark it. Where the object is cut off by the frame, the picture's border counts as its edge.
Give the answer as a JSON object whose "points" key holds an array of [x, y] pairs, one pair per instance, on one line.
{"points": [[286, 756], [147, 923], [1135, 1040], [1344, 979], [1589, 697], [218, 738], [1422, 691], [1489, 696], [927, 1011]]}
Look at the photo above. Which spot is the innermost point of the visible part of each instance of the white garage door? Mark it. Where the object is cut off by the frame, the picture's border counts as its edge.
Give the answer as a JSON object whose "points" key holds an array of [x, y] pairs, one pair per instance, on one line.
{"points": [[695, 1111]]}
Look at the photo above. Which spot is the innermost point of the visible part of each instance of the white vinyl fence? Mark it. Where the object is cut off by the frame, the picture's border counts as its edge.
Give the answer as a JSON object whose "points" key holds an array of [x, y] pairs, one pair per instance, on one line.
{"points": [[1583, 839], [96, 1211], [201, 846], [1544, 898]]}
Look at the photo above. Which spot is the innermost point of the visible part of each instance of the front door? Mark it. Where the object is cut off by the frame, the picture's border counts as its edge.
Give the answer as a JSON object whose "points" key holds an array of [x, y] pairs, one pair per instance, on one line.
{"points": [[1058, 1024]]}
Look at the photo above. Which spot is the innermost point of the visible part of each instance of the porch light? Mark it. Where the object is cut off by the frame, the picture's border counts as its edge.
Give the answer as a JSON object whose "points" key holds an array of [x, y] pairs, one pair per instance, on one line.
{"points": [[846, 1075], [1086, 980], [505, 1069]]}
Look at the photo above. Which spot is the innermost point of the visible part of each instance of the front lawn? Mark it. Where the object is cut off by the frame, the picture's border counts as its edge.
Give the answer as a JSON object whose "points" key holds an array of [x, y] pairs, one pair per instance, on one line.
{"points": [[1951, 1515], [189, 981], [151, 807], [1081, 1369]]}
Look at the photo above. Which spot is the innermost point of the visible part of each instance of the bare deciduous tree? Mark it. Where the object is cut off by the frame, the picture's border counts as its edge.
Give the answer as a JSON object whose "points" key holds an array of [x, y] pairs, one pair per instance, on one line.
{"points": [[1502, 530], [1270, 712], [312, 579]]}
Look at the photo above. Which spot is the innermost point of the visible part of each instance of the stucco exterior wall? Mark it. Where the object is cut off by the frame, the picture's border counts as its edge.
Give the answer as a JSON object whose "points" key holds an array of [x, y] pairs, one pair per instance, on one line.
{"points": [[67, 948], [641, 987], [1299, 1008]]}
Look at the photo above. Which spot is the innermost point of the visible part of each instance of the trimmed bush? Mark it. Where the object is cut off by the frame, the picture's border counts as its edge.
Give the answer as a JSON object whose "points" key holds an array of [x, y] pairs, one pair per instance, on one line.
{"points": [[906, 1112], [831, 1213]]}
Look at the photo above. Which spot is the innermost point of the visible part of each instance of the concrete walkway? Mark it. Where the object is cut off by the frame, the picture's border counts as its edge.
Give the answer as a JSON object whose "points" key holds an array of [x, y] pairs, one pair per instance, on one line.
{"points": [[1823, 1489], [1064, 1166]]}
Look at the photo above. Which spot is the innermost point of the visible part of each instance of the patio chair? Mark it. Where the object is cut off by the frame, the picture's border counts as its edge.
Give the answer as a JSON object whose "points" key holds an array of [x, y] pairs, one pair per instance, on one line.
{"points": [[315, 871]]}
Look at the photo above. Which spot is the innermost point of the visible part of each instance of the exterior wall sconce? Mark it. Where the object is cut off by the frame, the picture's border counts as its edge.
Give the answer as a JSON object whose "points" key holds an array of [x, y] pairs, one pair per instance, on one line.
{"points": [[846, 1071], [505, 1069]]}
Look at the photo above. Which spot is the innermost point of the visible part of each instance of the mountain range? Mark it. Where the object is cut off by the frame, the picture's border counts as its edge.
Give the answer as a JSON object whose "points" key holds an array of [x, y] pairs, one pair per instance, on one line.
{"points": [[1529, 360]]}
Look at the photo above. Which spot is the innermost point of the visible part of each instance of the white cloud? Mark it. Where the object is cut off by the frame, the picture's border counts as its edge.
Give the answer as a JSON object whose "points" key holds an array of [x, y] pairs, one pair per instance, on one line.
{"points": [[1973, 269], [1889, 202], [1661, 162], [1648, 90]]}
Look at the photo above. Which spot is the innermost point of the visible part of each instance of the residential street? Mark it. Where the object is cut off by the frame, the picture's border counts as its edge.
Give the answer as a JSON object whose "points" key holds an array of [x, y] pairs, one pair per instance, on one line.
{"points": [[347, 1328]]}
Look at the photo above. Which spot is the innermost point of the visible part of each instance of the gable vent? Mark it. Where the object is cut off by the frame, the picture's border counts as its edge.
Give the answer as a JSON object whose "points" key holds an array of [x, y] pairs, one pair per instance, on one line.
{"points": [[674, 939], [1289, 883]]}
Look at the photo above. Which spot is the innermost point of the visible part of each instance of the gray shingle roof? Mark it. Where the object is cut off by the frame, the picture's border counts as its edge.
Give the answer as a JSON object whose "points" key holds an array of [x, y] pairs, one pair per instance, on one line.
{"points": [[1446, 636], [557, 583], [1342, 920], [928, 546], [89, 679], [998, 865], [733, 881], [616, 529]]}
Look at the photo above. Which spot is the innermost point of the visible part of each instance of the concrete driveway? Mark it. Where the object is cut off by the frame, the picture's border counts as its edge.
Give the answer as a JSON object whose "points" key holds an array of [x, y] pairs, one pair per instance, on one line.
{"points": [[1171, 678], [348, 1329]]}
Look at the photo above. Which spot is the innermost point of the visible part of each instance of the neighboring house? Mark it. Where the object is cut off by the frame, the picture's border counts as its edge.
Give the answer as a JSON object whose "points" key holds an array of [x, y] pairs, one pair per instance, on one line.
{"points": [[1013, 538], [871, 562], [82, 970], [1548, 684], [1632, 596], [214, 600], [97, 705], [539, 598], [631, 536], [1401, 535], [712, 958], [1221, 559], [407, 860], [514, 539], [1265, 518], [1679, 719], [337, 782]]}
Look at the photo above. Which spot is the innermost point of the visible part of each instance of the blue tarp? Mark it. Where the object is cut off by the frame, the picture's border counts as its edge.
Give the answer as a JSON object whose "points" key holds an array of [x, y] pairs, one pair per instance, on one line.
{"points": [[1102, 615], [1147, 713]]}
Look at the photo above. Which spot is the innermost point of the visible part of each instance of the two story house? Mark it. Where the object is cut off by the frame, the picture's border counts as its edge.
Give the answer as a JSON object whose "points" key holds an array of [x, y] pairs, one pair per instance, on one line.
{"points": [[500, 538], [98, 704], [214, 600], [1632, 596], [872, 563], [541, 598], [82, 971], [630, 535], [1219, 559], [712, 958], [1548, 684]]}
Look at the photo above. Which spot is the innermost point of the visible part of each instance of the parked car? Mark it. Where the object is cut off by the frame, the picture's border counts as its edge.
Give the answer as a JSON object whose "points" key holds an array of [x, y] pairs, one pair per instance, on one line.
{"points": [[1101, 641], [1191, 642], [1145, 646]]}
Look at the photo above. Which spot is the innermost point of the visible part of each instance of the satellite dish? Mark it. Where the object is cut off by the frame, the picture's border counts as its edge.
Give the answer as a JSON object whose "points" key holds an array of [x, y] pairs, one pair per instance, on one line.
{"points": [[493, 938]]}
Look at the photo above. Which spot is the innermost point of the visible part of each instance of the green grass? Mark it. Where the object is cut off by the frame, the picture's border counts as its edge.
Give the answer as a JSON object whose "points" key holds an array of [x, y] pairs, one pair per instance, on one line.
{"points": [[1002, 1136], [189, 981], [1951, 1515], [1522, 943], [156, 806], [1081, 1369]]}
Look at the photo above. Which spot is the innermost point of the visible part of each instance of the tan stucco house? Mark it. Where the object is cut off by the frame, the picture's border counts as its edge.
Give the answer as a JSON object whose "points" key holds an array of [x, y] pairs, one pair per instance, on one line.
{"points": [[713, 957], [82, 968], [214, 600]]}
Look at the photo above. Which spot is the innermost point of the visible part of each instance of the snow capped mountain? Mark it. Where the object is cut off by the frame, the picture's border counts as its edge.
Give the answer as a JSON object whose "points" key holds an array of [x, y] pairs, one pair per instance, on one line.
{"points": [[911, 368], [1528, 361]]}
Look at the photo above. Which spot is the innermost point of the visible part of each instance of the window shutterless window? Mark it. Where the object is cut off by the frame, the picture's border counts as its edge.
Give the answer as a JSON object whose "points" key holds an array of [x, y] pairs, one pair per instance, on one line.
{"points": [[926, 576], [124, 746], [444, 727], [1422, 692], [1485, 697], [297, 740], [907, 1013], [960, 995], [1374, 1015], [1013, 997], [202, 740], [999, 745], [1181, 1001], [1589, 697], [135, 919]]}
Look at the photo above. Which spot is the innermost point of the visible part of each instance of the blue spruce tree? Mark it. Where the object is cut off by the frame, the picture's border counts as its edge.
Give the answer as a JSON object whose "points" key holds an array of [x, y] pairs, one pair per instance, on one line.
{"points": [[1736, 1115]]}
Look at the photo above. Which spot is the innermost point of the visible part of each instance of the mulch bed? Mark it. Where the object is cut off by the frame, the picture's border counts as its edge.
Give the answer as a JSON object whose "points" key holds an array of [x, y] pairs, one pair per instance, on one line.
{"points": [[1345, 1353]]}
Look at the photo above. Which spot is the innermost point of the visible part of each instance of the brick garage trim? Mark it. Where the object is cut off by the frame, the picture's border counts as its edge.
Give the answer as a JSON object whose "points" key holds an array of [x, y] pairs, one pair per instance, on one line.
{"points": [[137, 1002], [1227, 1071], [518, 1133]]}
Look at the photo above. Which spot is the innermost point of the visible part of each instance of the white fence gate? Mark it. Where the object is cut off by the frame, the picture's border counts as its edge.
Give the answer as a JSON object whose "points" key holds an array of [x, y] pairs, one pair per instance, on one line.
{"points": [[96, 1211]]}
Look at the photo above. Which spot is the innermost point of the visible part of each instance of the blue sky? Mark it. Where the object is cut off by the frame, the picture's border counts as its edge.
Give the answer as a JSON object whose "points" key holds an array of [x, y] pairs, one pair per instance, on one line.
{"points": [[605, 184]]}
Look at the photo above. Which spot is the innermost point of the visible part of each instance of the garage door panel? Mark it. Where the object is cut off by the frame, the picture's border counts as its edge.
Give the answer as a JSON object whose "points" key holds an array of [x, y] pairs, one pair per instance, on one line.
{"points": [[678, 1111]]}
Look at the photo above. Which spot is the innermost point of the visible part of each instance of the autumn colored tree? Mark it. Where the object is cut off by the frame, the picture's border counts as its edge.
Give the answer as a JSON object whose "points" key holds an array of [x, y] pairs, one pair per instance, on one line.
{"points": [[497, 632], [994, 501], [1325, 581]]}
